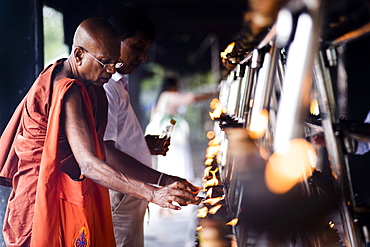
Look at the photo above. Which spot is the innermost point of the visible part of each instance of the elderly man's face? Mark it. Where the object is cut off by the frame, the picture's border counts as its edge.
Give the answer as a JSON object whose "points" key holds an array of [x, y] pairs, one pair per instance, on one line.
{"points": [[134, 52], [93, 69]]}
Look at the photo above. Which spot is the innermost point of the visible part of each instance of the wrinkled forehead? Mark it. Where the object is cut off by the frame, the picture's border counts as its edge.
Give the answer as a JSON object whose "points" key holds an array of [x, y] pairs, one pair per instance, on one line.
{"points": [[109, 48]]}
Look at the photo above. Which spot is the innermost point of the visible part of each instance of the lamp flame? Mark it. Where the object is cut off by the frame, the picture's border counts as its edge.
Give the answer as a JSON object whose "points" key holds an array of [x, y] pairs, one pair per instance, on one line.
{"points": [[213, 181], [210, 134], [202, 212], [331, 224], [233, 222], [217, 109], [206, 171], [211, 151], [214, 103], [214, 142], [251, 101], [208, 161], [214, 209], [216, 113], [199, 228], [228, 50], [314, 107], [212, 201]]}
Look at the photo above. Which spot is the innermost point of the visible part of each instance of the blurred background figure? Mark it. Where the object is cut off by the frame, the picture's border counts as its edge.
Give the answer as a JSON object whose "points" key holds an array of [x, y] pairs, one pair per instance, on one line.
{"points": [[171, 103]]}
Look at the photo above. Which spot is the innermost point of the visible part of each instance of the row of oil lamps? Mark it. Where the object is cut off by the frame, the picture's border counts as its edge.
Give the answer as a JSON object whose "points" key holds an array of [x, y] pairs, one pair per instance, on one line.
{"points": [[215, 228]]}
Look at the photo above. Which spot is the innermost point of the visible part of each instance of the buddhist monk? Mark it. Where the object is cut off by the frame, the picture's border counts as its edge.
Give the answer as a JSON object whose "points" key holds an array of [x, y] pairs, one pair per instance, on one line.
{"points": [[52, 154]]}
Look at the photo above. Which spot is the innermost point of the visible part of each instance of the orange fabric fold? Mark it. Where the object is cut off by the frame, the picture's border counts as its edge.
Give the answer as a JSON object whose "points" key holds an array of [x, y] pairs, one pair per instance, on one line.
{"points": [[47, 207]]}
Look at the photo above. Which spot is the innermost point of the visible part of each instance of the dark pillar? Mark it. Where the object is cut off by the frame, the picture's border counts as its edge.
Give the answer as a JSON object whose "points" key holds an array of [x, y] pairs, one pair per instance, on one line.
{"points": [[21, 49]]}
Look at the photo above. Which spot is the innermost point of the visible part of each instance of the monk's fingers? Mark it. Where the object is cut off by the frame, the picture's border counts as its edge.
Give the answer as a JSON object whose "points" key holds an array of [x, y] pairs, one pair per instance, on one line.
{"points": [[188, 186], [177, 185], [181, 201], [173, 202], [186, 192], [168, 194], [193, 189], [172, 206], [185, 195], [185, 185]]}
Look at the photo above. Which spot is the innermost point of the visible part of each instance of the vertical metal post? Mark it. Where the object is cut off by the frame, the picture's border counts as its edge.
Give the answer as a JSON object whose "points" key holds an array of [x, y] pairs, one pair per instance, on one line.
{"points": [[256, 64], [297, 84], [335, 149]]}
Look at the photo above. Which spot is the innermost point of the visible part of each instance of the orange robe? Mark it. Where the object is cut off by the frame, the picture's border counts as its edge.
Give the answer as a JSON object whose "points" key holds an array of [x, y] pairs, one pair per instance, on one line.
{"points": [[47, 207]]}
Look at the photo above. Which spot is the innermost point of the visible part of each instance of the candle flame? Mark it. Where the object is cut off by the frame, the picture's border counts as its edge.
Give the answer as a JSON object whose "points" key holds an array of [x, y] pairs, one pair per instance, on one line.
{"points": [[213, 181], [210, 134], [208, 161], [314, 108], [212, 201], [199, 228], [228, 50], [214, 142], [202, 212], [233, 222], [217, 109], [214, 103], [251, 103], [212, 151], [206, 171], [214, 209], [331, 224], [216, 113]]}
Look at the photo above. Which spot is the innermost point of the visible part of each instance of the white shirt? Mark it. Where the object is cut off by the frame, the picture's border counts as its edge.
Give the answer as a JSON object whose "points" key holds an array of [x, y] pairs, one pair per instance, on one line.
{"points": [[123, 126], [364, 147]]}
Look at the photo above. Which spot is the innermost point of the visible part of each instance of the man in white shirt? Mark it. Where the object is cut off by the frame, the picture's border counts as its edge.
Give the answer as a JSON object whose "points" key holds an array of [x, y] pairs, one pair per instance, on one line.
{"points": [[124, 139], [362, 146]]}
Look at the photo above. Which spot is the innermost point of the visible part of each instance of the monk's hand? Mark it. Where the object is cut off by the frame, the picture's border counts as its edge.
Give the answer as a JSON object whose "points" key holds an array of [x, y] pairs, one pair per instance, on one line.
{"points": [[175, 192], [169, 179], [156, 145]]}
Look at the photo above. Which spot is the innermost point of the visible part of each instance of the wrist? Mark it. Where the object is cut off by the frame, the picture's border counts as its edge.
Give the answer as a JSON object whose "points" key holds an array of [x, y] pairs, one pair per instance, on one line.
{"points": [[160, 179], [152, 195], [166, 179]]}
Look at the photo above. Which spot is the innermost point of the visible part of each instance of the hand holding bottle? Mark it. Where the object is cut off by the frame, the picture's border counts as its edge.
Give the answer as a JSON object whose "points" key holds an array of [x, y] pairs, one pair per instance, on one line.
{"points": [[152, 141], [159, 144]]}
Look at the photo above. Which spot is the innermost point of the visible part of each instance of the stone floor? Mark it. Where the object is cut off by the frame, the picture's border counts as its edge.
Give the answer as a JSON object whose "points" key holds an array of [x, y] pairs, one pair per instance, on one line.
{"points": [[170, 228]]}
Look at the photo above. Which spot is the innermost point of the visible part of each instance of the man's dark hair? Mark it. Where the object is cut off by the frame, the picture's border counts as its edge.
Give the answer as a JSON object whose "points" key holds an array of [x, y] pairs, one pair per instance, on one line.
{"points": [[128, 20], [169, 83]]}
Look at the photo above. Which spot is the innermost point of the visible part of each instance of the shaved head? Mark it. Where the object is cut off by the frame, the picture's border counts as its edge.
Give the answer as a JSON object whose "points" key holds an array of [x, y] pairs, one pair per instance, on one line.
{"points": [[95, 44], [95, 33]]}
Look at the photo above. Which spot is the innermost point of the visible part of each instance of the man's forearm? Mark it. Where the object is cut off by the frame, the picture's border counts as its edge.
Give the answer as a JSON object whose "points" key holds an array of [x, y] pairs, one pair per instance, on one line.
{"points": [[129, 165], [111, 178]]}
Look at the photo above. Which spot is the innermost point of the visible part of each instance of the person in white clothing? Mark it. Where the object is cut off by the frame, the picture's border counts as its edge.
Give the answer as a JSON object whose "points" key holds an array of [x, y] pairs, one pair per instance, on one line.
{"points": [[124, 140], [178, 160], [363, 146]]}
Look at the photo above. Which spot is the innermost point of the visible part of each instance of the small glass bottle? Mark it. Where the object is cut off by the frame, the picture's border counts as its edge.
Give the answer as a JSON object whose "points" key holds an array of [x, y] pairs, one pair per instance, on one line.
{"points": [[166, 135]]}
